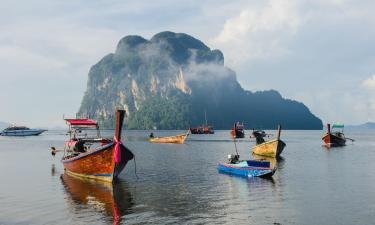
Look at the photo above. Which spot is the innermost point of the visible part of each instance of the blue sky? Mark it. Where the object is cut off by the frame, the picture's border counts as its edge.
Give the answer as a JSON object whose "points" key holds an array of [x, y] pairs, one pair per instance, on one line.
{"points": [[317, 52]]}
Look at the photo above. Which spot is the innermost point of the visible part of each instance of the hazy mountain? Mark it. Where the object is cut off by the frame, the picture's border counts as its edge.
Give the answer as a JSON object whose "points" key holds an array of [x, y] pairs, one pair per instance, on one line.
{"points": [[169, 81], [368, 125]]}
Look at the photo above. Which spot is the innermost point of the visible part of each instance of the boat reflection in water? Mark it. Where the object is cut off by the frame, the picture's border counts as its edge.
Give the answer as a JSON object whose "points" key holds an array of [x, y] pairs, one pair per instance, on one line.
{"points": [[112, 200]]}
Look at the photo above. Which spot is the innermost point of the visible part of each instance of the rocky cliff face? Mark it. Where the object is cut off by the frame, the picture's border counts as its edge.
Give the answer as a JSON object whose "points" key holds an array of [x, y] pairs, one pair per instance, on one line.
{"points": [[168, 82]]}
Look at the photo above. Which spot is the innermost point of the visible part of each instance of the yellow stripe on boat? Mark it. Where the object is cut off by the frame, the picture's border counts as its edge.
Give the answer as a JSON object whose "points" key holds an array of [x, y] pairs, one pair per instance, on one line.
{"points": [[271, 148]]}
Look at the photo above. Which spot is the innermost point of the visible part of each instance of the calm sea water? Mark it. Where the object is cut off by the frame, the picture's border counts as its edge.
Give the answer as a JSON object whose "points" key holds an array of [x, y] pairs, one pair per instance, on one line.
{"points": [[180, 184]]}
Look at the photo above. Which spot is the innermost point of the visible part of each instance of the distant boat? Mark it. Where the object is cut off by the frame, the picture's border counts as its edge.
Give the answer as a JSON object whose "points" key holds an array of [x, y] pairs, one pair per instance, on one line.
{"points": [[21, 131], [238, 130], [259, 133], [92, 156], [272, 148], [204, 129], [248, 168], [178, 139], [336, 138]]}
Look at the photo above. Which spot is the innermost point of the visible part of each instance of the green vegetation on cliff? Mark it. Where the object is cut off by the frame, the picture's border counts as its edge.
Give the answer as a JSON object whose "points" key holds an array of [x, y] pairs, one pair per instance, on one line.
{"points": [[168, 82]]}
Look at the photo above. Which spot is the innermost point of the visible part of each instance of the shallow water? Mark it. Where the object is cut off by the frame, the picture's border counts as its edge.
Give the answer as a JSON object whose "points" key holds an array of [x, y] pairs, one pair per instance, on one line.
{"points": [[180, 184]]}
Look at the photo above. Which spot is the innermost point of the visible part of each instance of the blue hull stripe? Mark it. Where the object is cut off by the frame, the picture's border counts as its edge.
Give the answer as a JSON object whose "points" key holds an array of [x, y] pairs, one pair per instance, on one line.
{"points": [[245, 172]]}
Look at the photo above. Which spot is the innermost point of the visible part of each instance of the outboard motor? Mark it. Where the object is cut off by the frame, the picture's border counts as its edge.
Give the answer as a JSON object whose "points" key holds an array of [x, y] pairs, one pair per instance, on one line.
{"points": [[233, 158]]}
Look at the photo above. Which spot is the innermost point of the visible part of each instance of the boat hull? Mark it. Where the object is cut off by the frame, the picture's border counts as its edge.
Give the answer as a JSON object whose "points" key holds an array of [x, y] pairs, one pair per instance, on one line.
{"points": [[247, 171], [179, 139], [271, 148], [31, 132], [98, 164], [237, 134], [333, 140]]}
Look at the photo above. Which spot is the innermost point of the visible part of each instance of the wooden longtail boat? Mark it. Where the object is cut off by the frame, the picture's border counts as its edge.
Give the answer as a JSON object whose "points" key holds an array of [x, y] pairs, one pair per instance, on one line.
{"points": [[111, 200], [178, 139], [238, 130], [336, 138], [272, 148], [104, 162], [248, 168]]}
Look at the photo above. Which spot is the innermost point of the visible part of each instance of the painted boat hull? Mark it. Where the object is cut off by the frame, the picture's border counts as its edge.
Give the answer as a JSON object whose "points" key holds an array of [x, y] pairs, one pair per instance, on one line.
{"points": [[237, 133], [98, 164], [178, 139], [332, 140], [247, 171], [202, 130], [31, 132], [271, 148]]}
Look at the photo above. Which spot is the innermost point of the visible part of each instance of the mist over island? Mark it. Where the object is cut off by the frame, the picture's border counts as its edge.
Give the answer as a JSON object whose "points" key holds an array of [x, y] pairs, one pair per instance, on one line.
{"points": [[172, 80]]}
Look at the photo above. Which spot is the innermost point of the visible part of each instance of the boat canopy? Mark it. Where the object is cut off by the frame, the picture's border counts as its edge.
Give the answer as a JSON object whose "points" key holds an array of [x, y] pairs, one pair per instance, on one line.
{"points": [[17, 128], [81, 122], [338, 126]]}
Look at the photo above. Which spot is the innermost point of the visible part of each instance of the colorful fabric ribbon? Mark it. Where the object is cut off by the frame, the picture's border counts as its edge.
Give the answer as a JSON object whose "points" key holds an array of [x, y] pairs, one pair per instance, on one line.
{"points": [[117, 151]]}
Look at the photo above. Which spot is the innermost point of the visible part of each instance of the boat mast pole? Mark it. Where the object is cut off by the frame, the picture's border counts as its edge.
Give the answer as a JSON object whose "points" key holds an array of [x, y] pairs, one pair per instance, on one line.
{"points": [[120, 114], [205, 117], [278, 132]]}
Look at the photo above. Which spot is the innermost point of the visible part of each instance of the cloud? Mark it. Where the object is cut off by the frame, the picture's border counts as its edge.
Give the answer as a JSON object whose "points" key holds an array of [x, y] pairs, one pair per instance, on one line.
{"points": [[301, 48], [369, 83], [259, 32]]}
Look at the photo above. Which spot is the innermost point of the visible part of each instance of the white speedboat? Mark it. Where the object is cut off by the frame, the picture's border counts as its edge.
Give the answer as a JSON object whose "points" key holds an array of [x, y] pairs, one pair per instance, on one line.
{"points": [[21, 131]]}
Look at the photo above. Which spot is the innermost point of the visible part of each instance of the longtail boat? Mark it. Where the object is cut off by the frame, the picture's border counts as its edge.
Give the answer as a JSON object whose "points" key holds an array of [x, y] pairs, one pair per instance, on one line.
{"points": [[111, 200], [204, 129], [178, 139], [238, 130], [272, 148], [246, 168], [94, 157], [259, 133], [336, 138]]}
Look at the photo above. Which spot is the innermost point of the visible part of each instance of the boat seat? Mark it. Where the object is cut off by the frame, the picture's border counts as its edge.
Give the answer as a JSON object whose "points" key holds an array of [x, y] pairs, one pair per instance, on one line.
{"points": [[258, 163]]}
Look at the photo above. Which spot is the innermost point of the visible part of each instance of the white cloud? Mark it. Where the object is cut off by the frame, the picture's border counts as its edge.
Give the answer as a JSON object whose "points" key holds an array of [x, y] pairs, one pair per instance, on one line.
{"points": [[299, 47], [258, 32], [369, 83]]}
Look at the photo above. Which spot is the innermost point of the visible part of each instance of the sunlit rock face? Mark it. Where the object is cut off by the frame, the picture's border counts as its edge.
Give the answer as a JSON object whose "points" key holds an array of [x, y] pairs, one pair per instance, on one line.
{"points": [[169, 81]]}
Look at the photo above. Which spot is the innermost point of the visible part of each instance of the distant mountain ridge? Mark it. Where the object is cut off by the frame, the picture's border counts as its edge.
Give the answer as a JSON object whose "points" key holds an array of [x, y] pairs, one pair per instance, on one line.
{"points": [[368, 125], [171, 80]]}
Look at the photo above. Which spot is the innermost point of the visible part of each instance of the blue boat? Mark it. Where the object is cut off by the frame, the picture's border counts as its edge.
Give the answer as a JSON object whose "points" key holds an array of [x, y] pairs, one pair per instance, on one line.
{"points": [[247, 168]]}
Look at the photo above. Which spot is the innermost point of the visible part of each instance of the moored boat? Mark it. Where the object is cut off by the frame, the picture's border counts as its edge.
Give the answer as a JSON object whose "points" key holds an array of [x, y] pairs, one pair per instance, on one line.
{"points": [[335, 138], [238, 130], [177, 139], [94, 157], [21, 131], [204, 129], [272, 148], [259, 133], [247, 168]]}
